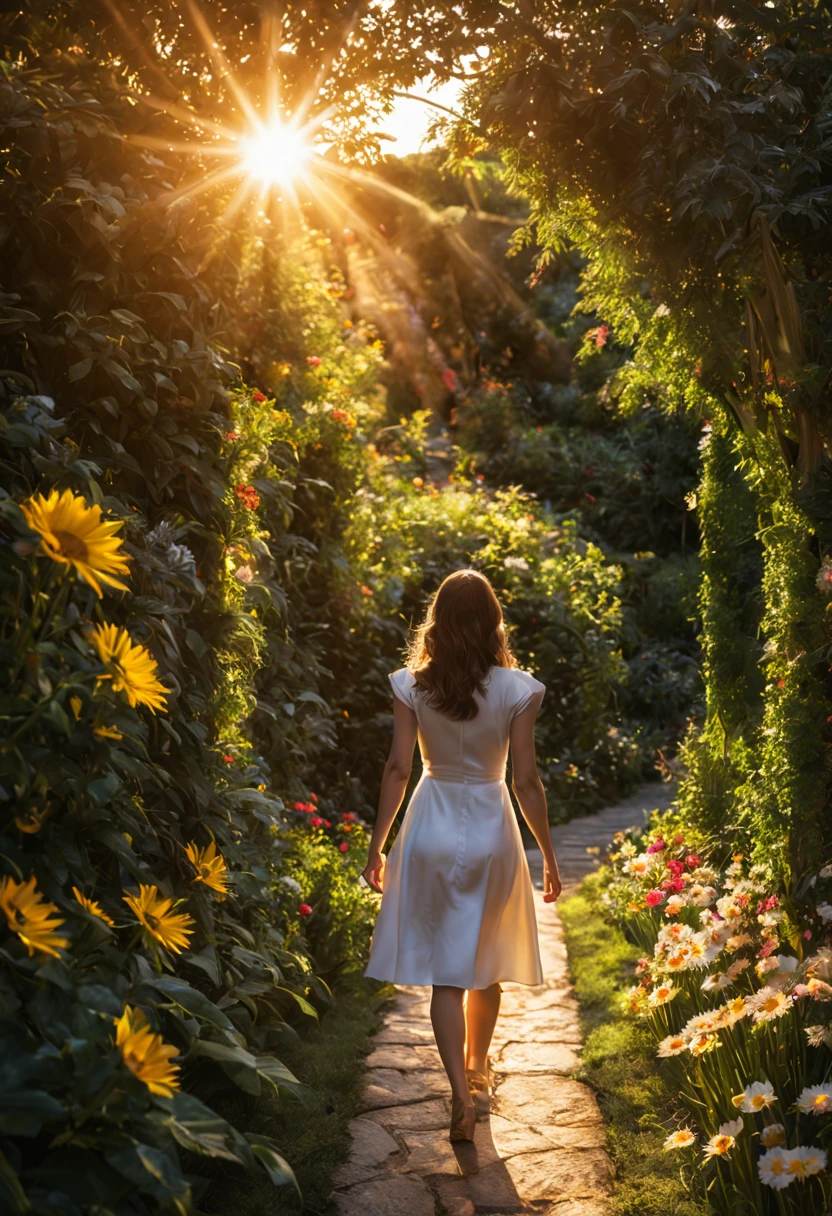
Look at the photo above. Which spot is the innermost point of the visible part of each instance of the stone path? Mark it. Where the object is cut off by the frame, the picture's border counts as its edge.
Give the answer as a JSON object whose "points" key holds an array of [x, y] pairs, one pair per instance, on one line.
{"points": [[541, 1150]]}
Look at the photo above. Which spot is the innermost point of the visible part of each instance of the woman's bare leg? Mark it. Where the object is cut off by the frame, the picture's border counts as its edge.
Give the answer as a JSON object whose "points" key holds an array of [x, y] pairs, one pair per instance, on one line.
{"points": [[481, 1011], [448, 1019]]}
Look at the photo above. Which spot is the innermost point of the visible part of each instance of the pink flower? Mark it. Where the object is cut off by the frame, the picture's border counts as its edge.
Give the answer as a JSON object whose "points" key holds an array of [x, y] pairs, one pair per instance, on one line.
{"points": [[807, 933], [343, 846], [313, 360], [766, 905], [327, 824], [678, 884], [769, 947], [316, 821], [304, 910], [657, 846], [653, 898], [449, 379], [602, 333], [244, 574]]}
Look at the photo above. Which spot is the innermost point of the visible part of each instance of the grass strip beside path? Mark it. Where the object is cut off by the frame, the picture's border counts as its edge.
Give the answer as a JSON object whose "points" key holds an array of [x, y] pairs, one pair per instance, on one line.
{"points": [[619, 1062], [312, 1135]]}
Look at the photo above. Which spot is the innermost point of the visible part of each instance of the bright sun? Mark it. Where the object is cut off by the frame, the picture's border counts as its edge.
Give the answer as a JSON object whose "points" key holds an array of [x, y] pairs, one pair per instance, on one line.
{"points": [[276, 155]]}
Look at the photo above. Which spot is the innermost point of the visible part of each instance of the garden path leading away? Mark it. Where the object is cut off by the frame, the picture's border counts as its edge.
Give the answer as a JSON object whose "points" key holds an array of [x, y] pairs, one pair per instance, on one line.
{"points": [[542, 1148]]}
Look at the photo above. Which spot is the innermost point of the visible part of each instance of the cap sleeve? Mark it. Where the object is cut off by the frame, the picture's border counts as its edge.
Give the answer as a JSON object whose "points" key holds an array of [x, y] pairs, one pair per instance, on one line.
{"points": [[403, 685], [526, 691]]}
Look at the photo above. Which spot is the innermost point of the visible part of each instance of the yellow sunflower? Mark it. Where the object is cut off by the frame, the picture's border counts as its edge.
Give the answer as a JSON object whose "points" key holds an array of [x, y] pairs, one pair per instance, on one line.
{"points": [[94, 909], [31, 917], [146, 1054], [75, 535], [210, 867], [131, 667], [153, 911]]}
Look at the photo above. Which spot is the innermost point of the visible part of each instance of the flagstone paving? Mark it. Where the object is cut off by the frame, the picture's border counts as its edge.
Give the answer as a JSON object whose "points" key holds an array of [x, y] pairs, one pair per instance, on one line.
{"points": [[541, 1148]]}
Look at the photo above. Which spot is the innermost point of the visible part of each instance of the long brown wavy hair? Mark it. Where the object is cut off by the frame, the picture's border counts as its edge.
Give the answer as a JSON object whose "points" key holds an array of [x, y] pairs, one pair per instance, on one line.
{"points": [[461, 638]]}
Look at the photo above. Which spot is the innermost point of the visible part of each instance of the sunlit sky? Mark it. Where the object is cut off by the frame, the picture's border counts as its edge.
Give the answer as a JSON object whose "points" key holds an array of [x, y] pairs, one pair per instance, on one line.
{"points": [[410, 119]]}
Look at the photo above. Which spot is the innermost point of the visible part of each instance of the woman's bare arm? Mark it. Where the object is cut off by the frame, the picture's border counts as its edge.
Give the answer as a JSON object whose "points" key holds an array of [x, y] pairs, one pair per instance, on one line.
{"points": [[393, 785], [530, 794]]}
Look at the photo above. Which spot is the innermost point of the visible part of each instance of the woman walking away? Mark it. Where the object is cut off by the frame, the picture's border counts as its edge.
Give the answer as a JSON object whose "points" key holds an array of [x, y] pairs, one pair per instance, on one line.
{"points": [[457, 910]]}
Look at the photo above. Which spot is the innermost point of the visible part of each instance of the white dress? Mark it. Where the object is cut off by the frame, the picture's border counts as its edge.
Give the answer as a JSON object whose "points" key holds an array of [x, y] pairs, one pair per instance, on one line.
{"points": [[457, 906]]}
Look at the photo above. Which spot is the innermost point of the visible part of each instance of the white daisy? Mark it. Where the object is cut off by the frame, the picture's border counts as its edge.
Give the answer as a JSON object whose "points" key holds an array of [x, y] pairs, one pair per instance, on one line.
{"points": [[724, 1140], [768, 1003], [773, 1168], [815, 1100], [673, 1045], [755, 1097]]}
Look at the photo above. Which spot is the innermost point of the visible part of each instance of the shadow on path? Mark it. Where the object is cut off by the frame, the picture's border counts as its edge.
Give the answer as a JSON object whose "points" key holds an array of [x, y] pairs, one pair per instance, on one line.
{"points": [[541, 1148]]}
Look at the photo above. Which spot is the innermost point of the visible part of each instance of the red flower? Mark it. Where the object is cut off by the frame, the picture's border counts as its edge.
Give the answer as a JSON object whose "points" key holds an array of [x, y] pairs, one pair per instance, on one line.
{"points": [[343, 846], [259, 397], [678, 884], [297, 806], [228, 759], [365, 590], [601, 335], [316, 821], [313, 360], [327, 823], [231, 436], [343, 417], [248, 496], [676, 867], [678, 840], [590, 497], [348, 816], [657, 846], [693, 860], [652, 898], [313, 797], [449, 379], [304, 910]]}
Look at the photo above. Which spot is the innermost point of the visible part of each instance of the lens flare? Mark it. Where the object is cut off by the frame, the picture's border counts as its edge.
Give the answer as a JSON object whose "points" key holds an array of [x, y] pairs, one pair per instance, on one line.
{"points": [[276, 155]]}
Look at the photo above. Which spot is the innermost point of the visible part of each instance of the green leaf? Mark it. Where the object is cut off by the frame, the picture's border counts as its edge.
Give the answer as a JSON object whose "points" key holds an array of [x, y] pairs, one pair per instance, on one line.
{"points": [[196, 1127], [153, 1172], [79, 370], [277, 1167], [104, 789], [191, 1000], [301, 1000], [23, 1112]]}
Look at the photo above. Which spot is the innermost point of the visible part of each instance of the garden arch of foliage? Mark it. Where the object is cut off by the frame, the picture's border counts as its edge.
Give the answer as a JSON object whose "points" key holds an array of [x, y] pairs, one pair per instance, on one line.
{"points": [[194, 381]]}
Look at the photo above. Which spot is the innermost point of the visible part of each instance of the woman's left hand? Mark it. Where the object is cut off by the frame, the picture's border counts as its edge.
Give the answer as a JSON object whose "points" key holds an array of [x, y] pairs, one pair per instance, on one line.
{"points": [[373, 872]]}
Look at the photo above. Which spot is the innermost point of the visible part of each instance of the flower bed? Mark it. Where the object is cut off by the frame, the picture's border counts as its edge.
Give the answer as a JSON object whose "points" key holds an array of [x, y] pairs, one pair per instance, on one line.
{"points": [[733, 986]]}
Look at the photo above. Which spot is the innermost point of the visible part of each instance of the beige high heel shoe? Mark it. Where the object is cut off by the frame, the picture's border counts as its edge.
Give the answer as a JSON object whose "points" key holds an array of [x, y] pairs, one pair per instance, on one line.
{"points": [[480, 1087], [463, 1120]]}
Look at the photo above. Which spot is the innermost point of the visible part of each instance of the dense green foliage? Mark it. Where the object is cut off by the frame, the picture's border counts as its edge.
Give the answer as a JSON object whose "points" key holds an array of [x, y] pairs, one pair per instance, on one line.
{"points": [[685, 154]]}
